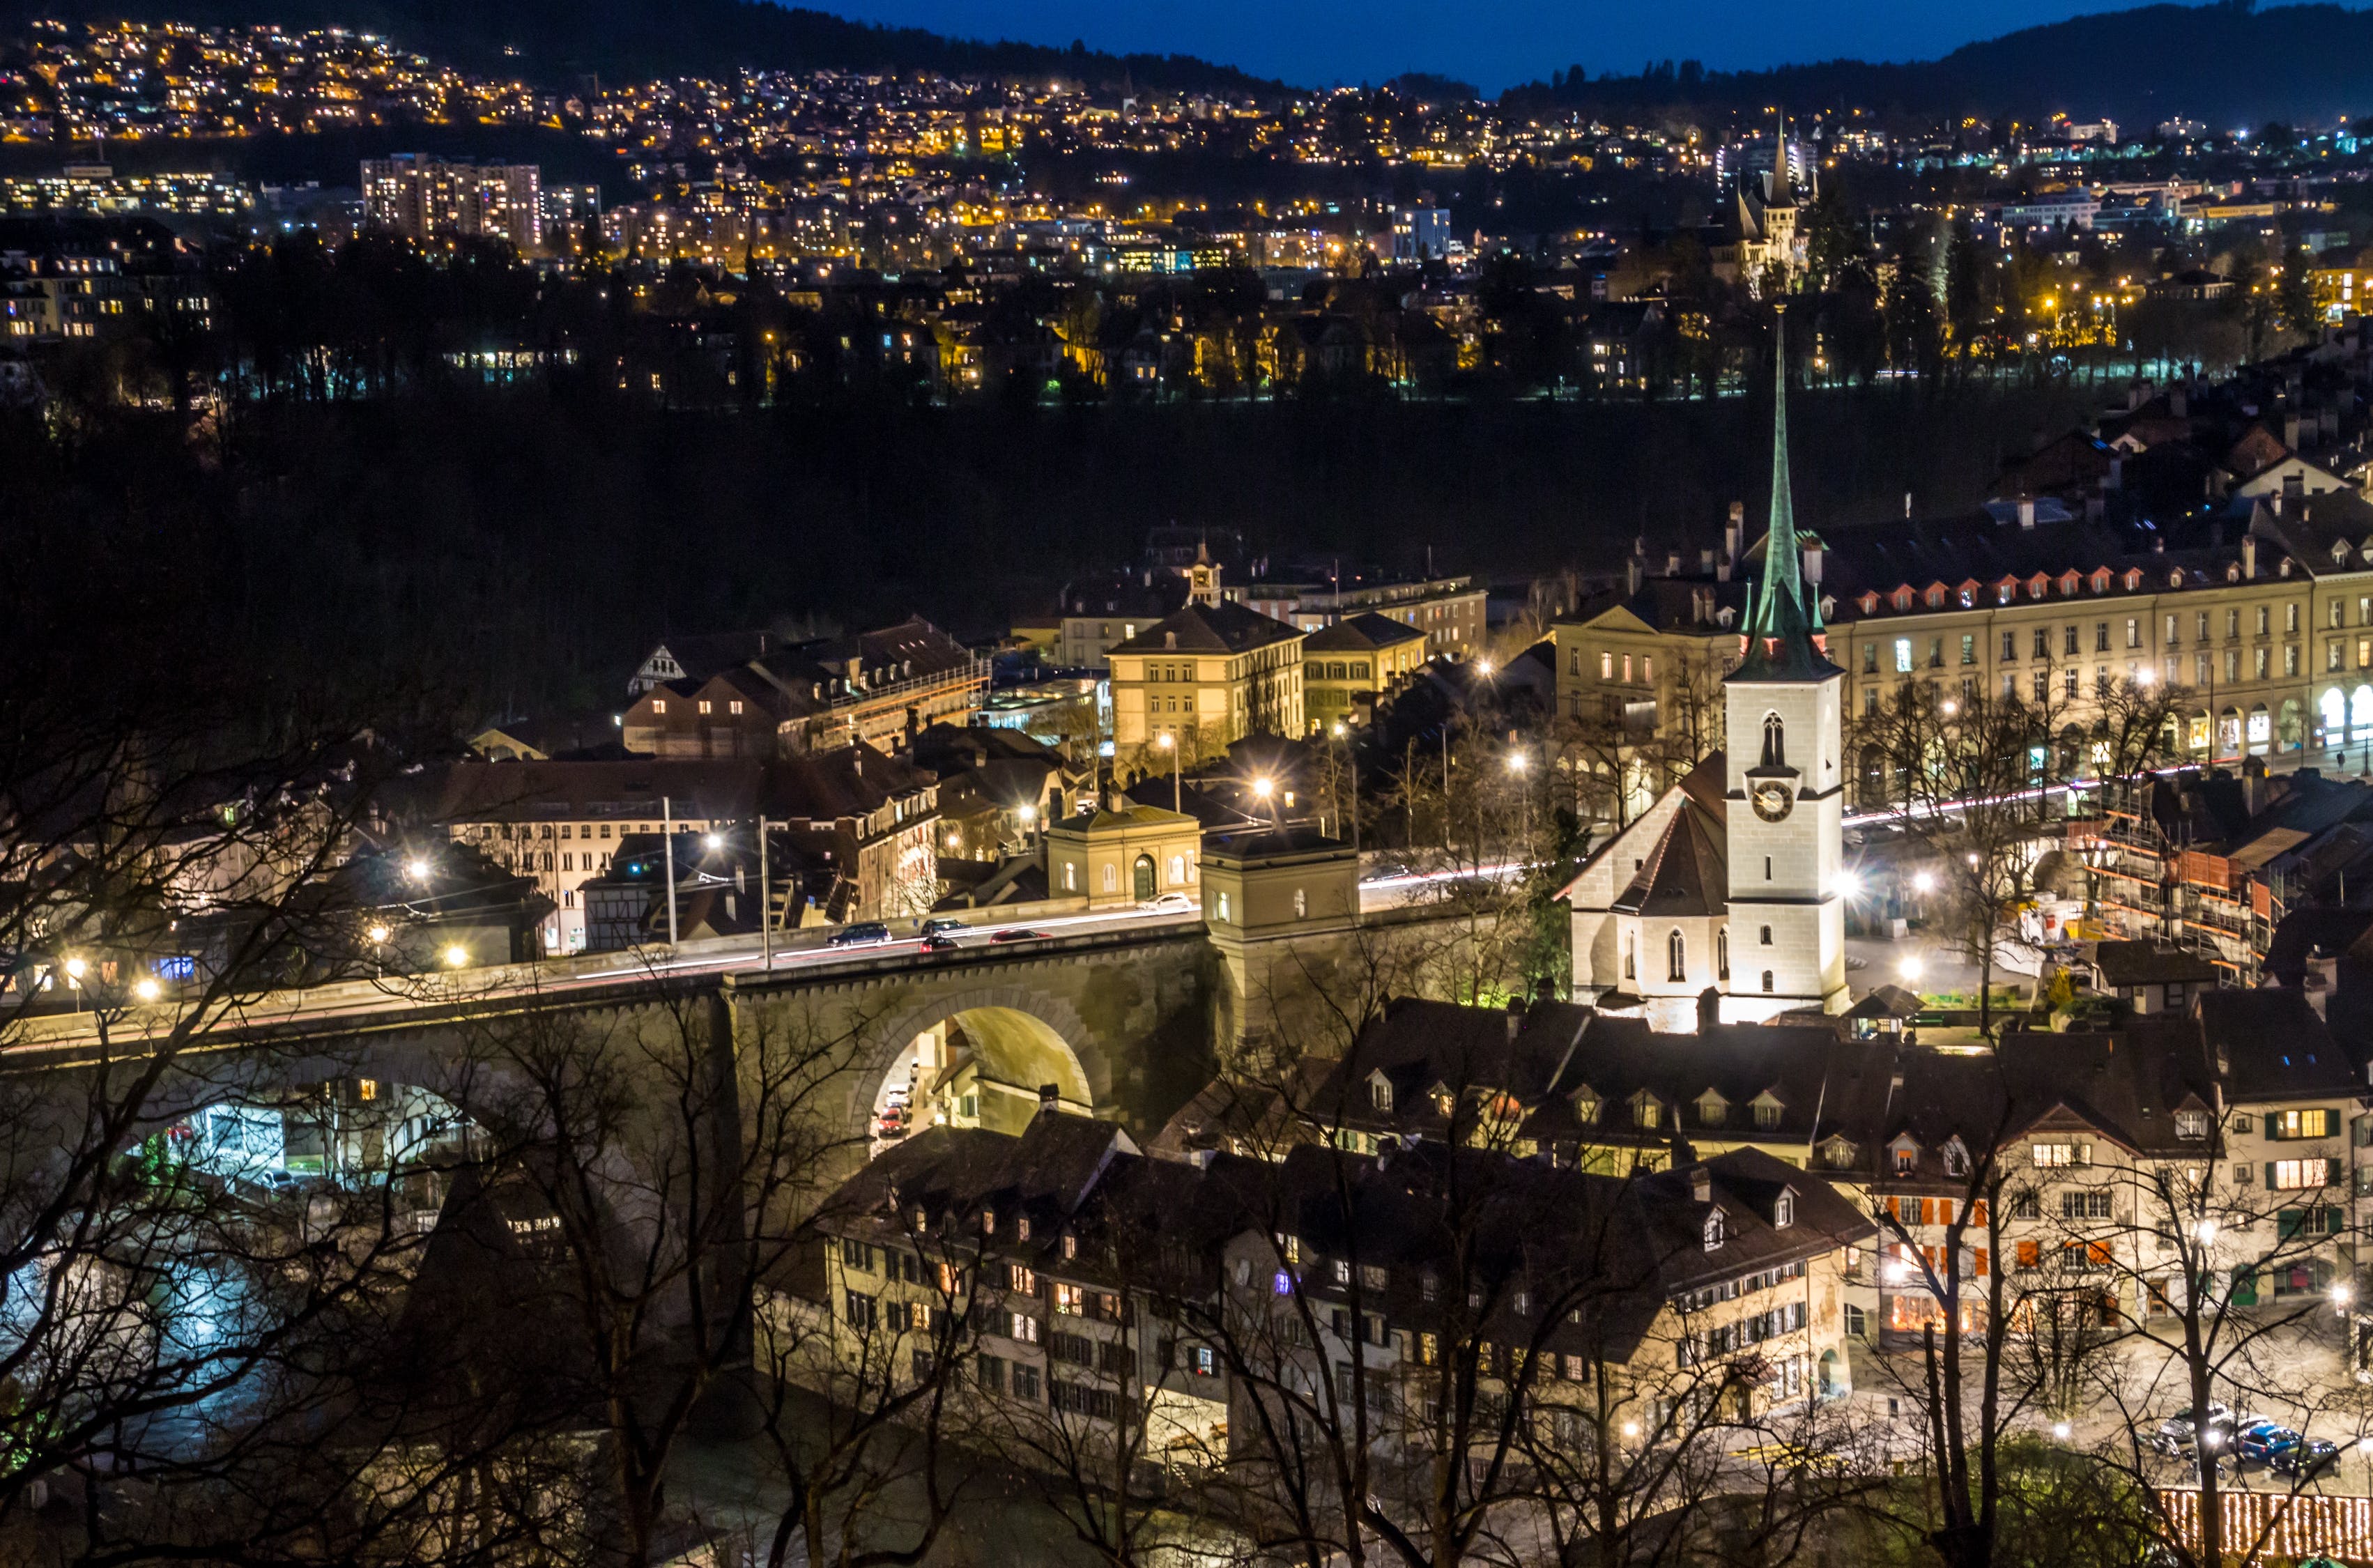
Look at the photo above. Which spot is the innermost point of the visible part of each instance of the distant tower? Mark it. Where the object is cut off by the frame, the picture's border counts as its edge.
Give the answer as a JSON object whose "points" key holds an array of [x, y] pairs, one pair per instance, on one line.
{"points": [[1783, 718], [1203, 579]]}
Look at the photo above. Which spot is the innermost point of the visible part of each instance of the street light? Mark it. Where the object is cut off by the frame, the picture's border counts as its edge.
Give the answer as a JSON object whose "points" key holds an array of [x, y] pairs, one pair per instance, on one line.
{"points": [[147, 989], [715, 840], [1923, 882], [1910, 968], [2061, 1430], [377, 934], [1169, 743], [416, 867], [457, 955]]}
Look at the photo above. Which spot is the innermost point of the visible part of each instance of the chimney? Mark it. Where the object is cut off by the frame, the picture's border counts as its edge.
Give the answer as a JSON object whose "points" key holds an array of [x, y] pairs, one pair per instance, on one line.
{"points": [[1515, 1016], [2027, 511], [1673, 564], [1705, 561], [1709, 1010], [2117, 479], [1632, 574], [2291, 431], [1734, 534], [2253, 784], [2249, 554], [1047, 1094], [1701, 1185]]}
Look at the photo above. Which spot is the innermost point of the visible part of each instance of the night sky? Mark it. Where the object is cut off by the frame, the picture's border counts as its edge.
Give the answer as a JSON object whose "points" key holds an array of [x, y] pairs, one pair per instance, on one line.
{"points": [[1490, 43]]}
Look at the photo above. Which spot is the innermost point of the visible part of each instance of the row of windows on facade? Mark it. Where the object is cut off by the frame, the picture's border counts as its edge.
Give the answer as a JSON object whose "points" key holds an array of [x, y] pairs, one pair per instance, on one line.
{"points": [[1938, 596], [1647, 1111], [706, 704], [2070, 639], [1141, 875]]}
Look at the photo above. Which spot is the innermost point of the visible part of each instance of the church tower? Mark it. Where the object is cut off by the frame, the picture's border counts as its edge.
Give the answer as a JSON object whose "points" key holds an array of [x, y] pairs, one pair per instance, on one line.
{"points": [[1783, 718]]}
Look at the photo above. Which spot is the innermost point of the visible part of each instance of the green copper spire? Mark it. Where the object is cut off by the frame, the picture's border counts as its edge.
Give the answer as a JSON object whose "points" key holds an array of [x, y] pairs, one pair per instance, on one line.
{"points": [[1785, 617], [1780, 555]]}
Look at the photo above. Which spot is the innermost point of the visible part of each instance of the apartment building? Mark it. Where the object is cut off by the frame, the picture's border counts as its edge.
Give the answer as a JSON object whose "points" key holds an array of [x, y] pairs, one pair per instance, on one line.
{"points": [[2267, 623], [1348, 666], [2244, 1093], [864, 818], [428, 199], [1091, 1285], [1203, 677], [879, 688]]}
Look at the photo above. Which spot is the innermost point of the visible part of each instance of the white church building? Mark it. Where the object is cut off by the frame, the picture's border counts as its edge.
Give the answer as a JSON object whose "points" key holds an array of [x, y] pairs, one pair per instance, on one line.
{"points": [[1734, 881]]}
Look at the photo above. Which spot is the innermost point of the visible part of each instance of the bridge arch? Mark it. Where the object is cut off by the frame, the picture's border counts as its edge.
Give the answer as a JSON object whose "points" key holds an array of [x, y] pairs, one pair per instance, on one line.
{"points": [[1010, 1040]]}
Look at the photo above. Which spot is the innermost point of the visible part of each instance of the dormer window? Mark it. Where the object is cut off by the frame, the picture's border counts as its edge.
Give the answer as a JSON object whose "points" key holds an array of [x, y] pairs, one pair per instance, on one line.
{"points": [[1768, 1110], [1713, 1232], [1380, 1091], [1445, 1103], [2037, 586], [1957, 1158], [2134, 579], [988, 1222], [1784, 1209], [1070, 1246], [1646, 1114], [1902, 599], [1022, 1228], [2101, 580], [1905, 1155], [1869, 604], [1713, 1109], [1935, 596], [922, 1218], [2192, 1124], [1585, 1107], [1839, 1152]]}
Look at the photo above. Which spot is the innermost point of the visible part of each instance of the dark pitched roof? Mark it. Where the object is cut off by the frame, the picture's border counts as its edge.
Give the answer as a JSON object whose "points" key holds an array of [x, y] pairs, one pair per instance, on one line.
{"points": [[1361, 634], [1210, 628], [2146, 964], [1687, 872]]}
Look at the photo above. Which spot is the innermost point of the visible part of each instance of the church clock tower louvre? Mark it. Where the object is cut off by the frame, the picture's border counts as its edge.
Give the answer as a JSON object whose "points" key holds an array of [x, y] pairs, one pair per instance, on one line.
{"points": [[1784, 720]]}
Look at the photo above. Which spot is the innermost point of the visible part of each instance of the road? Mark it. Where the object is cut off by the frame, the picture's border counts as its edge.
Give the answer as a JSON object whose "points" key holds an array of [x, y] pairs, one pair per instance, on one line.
{"points": [[364, 1003]]}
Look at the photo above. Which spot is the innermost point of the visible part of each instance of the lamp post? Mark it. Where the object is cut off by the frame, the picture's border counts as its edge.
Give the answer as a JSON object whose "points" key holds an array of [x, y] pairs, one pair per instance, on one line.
{"points": [[765, 902], [1516, 769], [1263, 789], [1349, 775], [75, 969], [667, 842], [1169, 743]]}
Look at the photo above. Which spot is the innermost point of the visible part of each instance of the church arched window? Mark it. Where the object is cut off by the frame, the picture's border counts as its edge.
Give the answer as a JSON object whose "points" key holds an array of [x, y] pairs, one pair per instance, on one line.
{"points": [[1775, 742], [1676, 958]]}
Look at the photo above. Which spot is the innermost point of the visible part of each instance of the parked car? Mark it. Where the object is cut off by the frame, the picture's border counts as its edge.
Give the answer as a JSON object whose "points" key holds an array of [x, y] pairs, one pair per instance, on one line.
{"points": [[2306, 1456], [1165, 903], [2258, 1443], [938, 923], [865, 933], [940, 942], [1017, 934], [1384, 870], [2177, 1432]]}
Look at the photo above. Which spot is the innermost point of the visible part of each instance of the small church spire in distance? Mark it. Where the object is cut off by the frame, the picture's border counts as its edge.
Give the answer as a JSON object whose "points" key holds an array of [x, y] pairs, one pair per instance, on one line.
{"points": [[1780, 195]]}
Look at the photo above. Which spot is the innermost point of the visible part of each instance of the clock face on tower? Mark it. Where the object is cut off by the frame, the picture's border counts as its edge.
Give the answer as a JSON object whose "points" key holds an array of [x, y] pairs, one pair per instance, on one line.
{"points": [[1772, 800]]}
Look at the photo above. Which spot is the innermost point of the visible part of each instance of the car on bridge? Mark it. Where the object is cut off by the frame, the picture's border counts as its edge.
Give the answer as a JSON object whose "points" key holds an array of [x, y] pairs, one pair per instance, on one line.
{"points": [[865, 933], [1166, 904], [1018, 933], [939, 924], [940, 942]]}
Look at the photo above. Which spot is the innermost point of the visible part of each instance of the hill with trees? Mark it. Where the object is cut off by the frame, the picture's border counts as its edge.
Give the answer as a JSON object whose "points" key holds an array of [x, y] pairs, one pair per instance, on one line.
{"points": [[557, 42], [2229, 64]]}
